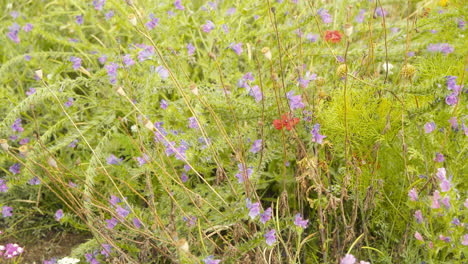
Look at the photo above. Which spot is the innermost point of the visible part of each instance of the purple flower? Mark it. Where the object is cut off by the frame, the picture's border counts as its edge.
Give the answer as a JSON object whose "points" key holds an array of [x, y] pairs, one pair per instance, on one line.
{"points": [[24, 141], [256, 146], [72, 184], [304, 82], [184, 177], [254, 208], [13, 33], [465, 240], [445, 48], [435, 200], [461, 23], [312, 37], [208, 26], [237, 48], [240, 175], [73, 143], [34, 181], [255, 92], [50, 261], [79, 19], [114, 200], [163, 72], [111, 223], [326, 17], [190, 49], [31, 91], [225, 28], [17, 126], [14, 14], [91, 258], [112, 72], [193, 123], [266, 215], [419, 217], [456, 221], [106, 249], [445, 185], [348, 259], [28, 27], [3, 186], [109, 15], [453, 123], [452, 99], [15, 168], [145, 53], [413, 194], [270, 237], [154, 22], [142, 160], [113, 160], [136, 222], [178, 5], [99, 4], [231, 11], [127, 60], [163, 104], [444, 238], [360, 17], [439, 157], [58, 214], [7, 211], [122, 212], [441, 174], [433, 31], [429, 127], [295, 101], [102, 59], [410, 53], [11, 251], [298, 221], [381, 12], [69, 102], [211, 260], [446, 202], [316, 136]]}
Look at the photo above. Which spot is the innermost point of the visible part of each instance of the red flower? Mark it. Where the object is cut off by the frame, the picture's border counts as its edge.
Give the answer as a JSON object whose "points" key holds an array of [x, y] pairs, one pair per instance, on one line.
{"points": [[333, 36], [285, 121]]}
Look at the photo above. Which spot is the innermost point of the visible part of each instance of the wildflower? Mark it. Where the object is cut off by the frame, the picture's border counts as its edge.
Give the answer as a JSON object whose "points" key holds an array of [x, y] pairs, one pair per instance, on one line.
{"points": [[456, 221], [208, 26], [114, 200], [316, 136], [441, 173], [466, 203], [254, 208], [231, 11], [304, 82], [295, 101], [266, 215], [54, 261], [127, 60], [285, 121], [445, 185], [34, 181], [113, 160], [136, 222], [69, 102], [237, 48], [360, 17], [429, 127], [14, 14], [3, 186], [11, 250], [348, 259], [13, 33], [17, 126], [79, 19], [73, 143], [190, 49], [256, 146], [184, 177], [435, 200], [326, 17], [163, 72], [444, 48], [58, 214], [142, 160], [91, 258], [240, 175], [444, 238], [410, 53], [111, 223], [28, 27], [154, 22], [109, 15], [122, 212], [225, 28], [270, 237], [7, 211], [15, 168], [418, 236], [300, 222], [465, 240], [106, 249], [413, 194], [72, 184], [380, 12], [178, 5], [439, 157], [112, 72], [193, 123], [333, 36], [31, 91], [312, 37], [418, 216], [211, 260], [461, 23], [446, 202], [451, 99], [255, 92], [24, 141], [99, 4]]}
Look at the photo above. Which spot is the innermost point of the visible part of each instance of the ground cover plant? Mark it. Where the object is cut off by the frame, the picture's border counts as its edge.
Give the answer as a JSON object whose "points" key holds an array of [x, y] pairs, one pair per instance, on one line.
{"points": [[283, 131]]}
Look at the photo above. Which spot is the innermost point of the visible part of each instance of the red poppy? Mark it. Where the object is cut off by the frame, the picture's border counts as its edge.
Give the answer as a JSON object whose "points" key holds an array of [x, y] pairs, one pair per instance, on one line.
{"points": [[285, 121], [333, 36]]}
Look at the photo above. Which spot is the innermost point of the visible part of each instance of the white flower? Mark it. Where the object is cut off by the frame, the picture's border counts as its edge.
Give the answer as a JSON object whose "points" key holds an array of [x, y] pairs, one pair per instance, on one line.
{"points": [[67, 260]]}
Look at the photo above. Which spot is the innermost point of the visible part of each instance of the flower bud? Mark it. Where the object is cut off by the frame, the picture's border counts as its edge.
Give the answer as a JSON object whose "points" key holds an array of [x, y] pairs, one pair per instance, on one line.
{"points": [[320, 81], [342, 70], [408, 71], [267, 53]]}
